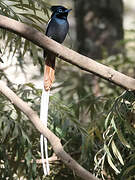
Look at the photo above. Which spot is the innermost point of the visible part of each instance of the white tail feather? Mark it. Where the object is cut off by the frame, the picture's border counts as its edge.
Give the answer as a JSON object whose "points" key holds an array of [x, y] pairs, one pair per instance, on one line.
{"points": [[43, 140]]}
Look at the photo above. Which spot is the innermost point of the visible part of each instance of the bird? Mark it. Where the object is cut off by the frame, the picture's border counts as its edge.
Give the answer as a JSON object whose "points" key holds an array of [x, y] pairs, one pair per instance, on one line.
{"points": [[57, 30]]}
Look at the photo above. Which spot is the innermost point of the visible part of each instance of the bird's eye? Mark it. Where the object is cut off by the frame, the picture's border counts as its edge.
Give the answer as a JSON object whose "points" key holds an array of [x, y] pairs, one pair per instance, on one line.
{"points": [[60, 10]]}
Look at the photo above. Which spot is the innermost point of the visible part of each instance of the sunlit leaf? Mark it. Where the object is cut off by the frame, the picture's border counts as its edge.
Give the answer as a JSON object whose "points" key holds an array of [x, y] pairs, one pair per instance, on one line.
{"points": [[112, 164], [107, 150], [107, 119], [117, 153], [113, 124]]}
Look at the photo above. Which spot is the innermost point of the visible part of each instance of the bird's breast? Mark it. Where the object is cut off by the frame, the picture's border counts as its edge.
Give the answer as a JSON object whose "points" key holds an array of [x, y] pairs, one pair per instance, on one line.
{"points": [[58, 29]]}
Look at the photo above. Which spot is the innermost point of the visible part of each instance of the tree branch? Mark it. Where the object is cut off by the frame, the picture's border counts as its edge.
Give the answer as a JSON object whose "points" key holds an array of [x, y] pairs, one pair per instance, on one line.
{"points": [[67, 54], [51, 159], [53, 139]]}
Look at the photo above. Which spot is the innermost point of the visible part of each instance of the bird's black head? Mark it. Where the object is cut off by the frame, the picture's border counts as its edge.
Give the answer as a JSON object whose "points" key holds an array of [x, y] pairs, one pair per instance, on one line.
{"points": [[60, 11]]}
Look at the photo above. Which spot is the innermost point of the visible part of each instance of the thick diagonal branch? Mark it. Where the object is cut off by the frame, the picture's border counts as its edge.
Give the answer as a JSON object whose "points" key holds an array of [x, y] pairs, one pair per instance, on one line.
{"points": [[53, 139], [67, 54]]}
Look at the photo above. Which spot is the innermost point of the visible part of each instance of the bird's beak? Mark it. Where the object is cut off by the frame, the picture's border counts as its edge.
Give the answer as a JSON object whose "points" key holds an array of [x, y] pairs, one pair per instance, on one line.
{"points": [[68, 10]]}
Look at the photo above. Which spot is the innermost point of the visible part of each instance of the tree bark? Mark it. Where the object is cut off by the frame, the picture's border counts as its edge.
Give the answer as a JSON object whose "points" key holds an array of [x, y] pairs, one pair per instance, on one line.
{"points": [[99, 27]]}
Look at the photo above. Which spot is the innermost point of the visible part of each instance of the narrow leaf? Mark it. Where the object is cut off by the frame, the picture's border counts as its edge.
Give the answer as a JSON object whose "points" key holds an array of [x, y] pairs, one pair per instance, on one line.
{"points": [[129, 169], [26, 45], [117, 153], [107, 119], [112, 164], [34, 53], [107, 150], [122, 139]]}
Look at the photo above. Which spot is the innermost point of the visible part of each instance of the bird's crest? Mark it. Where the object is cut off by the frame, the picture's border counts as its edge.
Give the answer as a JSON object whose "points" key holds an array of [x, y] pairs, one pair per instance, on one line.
{"points": [[55, 8]]}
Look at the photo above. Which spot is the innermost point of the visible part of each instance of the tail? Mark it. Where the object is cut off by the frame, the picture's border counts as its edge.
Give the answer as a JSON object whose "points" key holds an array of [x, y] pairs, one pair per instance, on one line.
{"points": [[43, 140], [49, 72]]}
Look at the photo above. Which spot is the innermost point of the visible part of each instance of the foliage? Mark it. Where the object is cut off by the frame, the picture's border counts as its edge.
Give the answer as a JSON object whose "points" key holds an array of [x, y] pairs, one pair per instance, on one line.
{"points": [[98, 131], [34, 13], [118, 147], [107, 149]]}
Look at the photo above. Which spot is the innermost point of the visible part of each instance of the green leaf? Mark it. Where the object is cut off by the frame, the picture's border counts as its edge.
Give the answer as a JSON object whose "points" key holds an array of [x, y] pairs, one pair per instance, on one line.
{"points": [[5, 132], [1, 60], [9, 40], [15, 131], [32, 5], [18, 44], [117, 153], [28, 157], [34, 53], [122, 139], [127, 171], [25, 137], [26, 46], [107, 150], [113, 124], [33, 17], [24, 6], [107, 119], [38, 27], [112, 164], [34, 167], [27, 17]]}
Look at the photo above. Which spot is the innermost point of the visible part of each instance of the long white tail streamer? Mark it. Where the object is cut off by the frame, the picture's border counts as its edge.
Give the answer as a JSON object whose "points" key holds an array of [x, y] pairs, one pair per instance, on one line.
{"points": [[43, 140]]}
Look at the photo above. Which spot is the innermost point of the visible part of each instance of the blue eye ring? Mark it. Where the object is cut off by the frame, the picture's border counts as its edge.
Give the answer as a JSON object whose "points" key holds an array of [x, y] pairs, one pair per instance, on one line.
{"points": [[60, 10]]}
